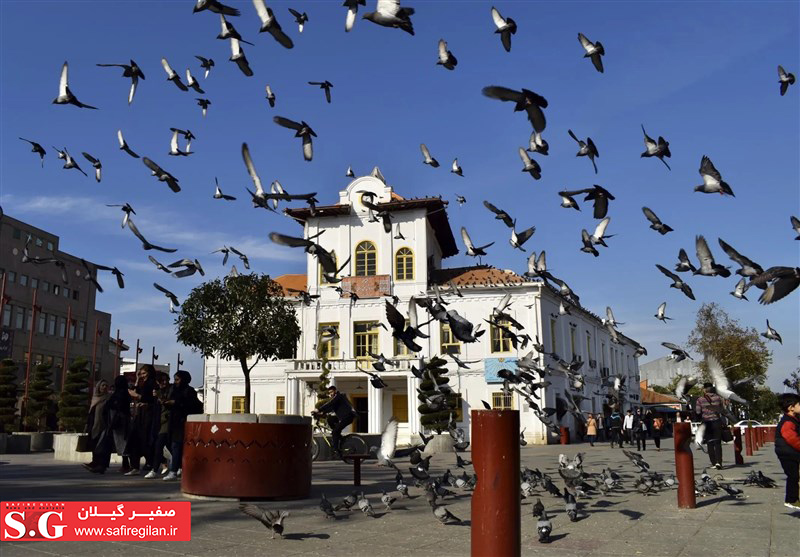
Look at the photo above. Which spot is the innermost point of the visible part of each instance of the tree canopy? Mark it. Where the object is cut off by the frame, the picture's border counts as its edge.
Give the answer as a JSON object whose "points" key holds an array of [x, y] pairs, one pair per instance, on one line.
{"points": [[241, 318]]}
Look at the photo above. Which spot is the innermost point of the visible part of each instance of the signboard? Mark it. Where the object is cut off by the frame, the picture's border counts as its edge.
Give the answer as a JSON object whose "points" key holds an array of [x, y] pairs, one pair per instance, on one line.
{"points": [[492, 365], [6, 342]]}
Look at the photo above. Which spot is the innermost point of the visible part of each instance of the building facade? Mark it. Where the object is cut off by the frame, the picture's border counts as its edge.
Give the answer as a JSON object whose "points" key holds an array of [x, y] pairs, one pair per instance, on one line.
{"points": [[406, 263], [48, 310]]}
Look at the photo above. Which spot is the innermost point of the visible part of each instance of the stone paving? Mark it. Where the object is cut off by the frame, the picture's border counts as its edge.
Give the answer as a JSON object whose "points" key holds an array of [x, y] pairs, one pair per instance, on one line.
{"points": [[622, 523]]}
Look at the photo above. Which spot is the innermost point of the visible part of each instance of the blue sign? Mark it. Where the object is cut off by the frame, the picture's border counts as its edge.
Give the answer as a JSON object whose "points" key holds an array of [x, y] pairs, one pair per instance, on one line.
{"points": [[492, 365]]}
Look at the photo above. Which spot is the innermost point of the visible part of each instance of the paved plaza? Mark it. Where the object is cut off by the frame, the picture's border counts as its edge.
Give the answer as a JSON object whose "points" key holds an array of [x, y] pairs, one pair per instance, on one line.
{"points": [[622, 523]]}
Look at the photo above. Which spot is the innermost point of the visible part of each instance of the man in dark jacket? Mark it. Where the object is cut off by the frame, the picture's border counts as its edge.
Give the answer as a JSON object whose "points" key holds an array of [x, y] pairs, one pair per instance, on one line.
{"points": [[615, 427], [709, 408], [344, 415], [787, 447]]}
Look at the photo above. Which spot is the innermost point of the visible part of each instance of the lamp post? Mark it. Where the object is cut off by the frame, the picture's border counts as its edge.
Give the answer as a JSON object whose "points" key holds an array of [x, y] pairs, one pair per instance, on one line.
{"points": [[116, 355], [31, 324], [136, 360], [153, 357], [66, 345], [97, 333]]}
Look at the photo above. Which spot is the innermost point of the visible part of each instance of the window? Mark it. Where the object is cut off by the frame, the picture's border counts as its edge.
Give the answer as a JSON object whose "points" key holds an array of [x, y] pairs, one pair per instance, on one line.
{"points": [[56, 290], [17, 234], [328, 348], [34, 282], [366, 259], [400, 348], [82, 330], [553, 343], [365, 338], [72, 324], [7, 315], [58, 361], [49, 246], [62, 326], [237, 405], [280, 405], [74, 294], [48, 360], [65, 292], [45, 286], [400, 408], [502, 401], [603, 353], [39, 241], [19, 321], [42, 323], [38, 359], [12, 276], [572, 331], [28, 319], [23, 280], [449, 343], [322, 278], [404, 264], [499, 342], [589, 354], [51, 325]]}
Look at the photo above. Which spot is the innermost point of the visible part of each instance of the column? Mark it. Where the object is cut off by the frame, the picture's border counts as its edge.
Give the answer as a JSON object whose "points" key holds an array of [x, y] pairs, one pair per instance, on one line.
{"points": [[374, 409], [292, 395], [413, 402]]}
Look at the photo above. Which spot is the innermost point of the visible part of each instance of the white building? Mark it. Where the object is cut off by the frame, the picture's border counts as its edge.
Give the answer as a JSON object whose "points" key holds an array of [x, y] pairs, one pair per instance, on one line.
{"points": [[405, 263]]}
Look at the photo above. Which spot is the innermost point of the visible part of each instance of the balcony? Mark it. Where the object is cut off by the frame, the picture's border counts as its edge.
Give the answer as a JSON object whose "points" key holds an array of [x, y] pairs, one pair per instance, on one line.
{"points": [[375, 286], [350, 365]]}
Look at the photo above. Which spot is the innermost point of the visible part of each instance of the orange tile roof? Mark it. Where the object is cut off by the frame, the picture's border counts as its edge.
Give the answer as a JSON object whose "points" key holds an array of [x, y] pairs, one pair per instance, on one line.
{"points": [[479, 275], [652, 397], [297, 282]]}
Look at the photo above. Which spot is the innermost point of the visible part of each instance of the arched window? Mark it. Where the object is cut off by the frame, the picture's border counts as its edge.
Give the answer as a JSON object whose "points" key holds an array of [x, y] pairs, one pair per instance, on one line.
{"points": [[404, 264], [366, 259]]}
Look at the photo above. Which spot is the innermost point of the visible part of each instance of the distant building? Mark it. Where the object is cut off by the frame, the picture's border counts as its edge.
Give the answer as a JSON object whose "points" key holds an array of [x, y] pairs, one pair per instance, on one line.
{"points": [[404, 263], [664, 370], [61, 293]]}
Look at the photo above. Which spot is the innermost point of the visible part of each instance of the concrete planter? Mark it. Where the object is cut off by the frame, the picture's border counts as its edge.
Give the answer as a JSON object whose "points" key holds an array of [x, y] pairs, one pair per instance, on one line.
{"points": [[440, 444], [247, 456], [74, 447], [40, 442], [17, 444]]}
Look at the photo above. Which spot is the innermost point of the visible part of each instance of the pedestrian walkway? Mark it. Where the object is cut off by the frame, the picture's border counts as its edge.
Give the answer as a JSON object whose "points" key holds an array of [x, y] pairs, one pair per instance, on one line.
{"points": [[623, 523]]}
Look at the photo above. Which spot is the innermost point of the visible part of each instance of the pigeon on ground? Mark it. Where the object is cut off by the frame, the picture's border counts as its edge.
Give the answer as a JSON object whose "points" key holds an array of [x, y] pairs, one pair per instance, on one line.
{"points": [[387, 500], [348, 502], [526, 100], [270, 24], [661, 312], [544, 527], [206, 64], [302, 130], [677, 282], [65, 96], [595, 51], [505, 27], [365, 505], [658, 149], [446, 57], [325, 86], [173, 76], [771, 334], [300, 18], [132, 71], [38, 149], [443, 515], [586, 149], [271, 519], [785, 79], [712, 180], [655, 222], [571, 506], [123, 145], [388, 13], [326, 507]]}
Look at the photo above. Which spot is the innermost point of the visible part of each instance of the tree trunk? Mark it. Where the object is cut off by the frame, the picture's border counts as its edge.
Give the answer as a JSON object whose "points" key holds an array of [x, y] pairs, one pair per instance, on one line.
{"points": [[246, 371]]}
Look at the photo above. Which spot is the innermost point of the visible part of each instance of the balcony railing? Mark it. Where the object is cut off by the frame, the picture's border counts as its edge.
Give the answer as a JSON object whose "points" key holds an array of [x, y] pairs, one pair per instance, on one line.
{"points": [[352, 364]]}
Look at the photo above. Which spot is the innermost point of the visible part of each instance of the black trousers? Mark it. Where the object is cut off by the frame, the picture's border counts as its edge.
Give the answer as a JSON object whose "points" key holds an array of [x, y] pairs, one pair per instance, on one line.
{"points": [[792, 470], [163, 440], [616, 437], [714, 441], [657, 438], [337, 426], [641, 440]]}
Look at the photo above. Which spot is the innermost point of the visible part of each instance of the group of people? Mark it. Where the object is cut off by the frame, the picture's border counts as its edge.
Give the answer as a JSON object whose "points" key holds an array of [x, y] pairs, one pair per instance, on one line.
{"points": [[140, 421], [632, 428]]}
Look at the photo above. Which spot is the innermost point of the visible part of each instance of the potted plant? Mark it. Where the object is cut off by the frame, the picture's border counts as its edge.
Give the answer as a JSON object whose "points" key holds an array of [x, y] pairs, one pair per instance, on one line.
{"points": [[437, 409], [39, 407], [244, 318], [8, 401]]}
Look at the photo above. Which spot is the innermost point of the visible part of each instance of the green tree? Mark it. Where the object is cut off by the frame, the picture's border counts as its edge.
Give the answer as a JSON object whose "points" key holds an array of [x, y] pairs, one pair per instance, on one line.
{"points": [[662, 390], [793, 381], [436, 420], [8, 396], [764, 406], [40, 395], [242, 318], [73, 409]]}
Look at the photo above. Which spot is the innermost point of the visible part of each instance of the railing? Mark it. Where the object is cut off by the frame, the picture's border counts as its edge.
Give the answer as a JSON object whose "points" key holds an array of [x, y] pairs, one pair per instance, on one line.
{"points": [[352, 364]]}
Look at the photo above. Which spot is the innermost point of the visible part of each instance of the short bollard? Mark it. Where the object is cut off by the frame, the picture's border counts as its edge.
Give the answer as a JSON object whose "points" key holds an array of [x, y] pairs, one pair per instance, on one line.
{"points": [[684, 465], [496, 525], [564, 440], [737, 445], [748, 441], [758, 439]]}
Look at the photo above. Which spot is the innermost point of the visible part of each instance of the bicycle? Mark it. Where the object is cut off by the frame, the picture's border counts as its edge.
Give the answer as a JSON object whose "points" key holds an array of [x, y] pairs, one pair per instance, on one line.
{"points": [[352, 443]]}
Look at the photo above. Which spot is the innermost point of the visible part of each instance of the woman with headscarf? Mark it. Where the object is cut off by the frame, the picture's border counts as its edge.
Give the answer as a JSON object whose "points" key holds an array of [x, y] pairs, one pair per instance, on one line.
{"points": [[96, 422], [141, 440], [116, 415], [183, 401]]}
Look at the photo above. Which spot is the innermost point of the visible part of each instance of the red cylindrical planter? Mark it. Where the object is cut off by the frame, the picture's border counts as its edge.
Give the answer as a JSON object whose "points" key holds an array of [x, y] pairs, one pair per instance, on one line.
{"points": [[737, 445], [496, 527], [748, 441], [267, 459], [684, 465], [564, 440]]}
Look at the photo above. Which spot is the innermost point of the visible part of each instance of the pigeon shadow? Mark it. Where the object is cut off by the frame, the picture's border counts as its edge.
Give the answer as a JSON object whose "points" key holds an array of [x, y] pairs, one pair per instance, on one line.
{"points": [[604, 504], [304, 536], [712, 501], [634, 515], [556, 537]]}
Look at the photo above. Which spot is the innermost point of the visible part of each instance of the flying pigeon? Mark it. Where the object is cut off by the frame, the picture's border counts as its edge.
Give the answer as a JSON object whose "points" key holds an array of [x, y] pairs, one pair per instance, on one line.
{"points": [[270, 24], [740, 289], [352, 11], [388, 13], [600, 198], [537, 144], [127, 210], [708, 267], [785, 79], [302, 130], [203, 104], [145, 244], [771, 334], [505, 27], [586, 149], [446, 57], [173, 76], [678, 353], [270, 96], [782, 282], [229, 31], [162, 175], [517, 239], [749, 268], [123, 145], [95, 163], [526, 100], [325, 86], [237, 55], [300, 18], [273, 520], [385, 453], [595, 51], [132, 71], [684, 264], [192, 267], [795, 225], [65, 96], [38, 149], [712, 180], [472, 250], [677, 282], [206, 64], [219, 195], [172, 297], [214, 6], [655, 222], [192, 82], [722, 385], [160, 266], [500, 214], [658, 149], [69, 162], [661, 312], [567, 199], [456, 169], [530, 166], [427, 158]]}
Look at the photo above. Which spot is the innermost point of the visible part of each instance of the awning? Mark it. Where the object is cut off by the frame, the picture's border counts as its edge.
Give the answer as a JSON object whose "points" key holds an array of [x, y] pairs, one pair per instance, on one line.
{"points": [[662, 408]]}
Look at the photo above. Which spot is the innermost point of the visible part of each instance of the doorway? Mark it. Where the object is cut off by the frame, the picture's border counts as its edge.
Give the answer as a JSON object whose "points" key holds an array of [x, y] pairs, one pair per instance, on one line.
{"points": [[360, 424]]}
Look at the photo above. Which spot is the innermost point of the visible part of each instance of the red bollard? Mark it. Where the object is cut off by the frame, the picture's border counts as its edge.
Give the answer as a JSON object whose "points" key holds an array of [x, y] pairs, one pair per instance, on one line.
{"points": [[564, 435], [759, 438], [684, 465], [748, 441], [737, 445], [496, 524]]}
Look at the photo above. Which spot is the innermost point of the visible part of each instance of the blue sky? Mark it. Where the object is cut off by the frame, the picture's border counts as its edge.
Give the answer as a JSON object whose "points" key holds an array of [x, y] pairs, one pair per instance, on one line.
{"points": [[702, 74]]}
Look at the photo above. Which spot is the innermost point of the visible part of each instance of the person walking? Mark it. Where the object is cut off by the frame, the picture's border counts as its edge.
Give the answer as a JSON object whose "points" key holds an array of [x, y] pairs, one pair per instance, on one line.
{"points": [[658, 424], [615, 427], [96, 422], [709, 407], [591, 429], [183, 401], [117, 417], [640, 430], [140, 440], [787, 447], [627, 427], [163, 394], [344, 414], [601, 428]]}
